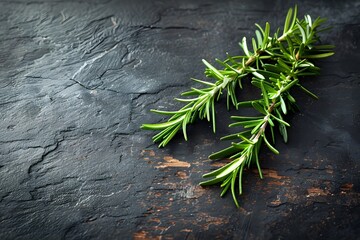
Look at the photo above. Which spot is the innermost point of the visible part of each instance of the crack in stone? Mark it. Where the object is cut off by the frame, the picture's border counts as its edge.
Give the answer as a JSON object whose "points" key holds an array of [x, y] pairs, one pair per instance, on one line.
{"points": [[48, 150], [150, 27], [82, 85]]}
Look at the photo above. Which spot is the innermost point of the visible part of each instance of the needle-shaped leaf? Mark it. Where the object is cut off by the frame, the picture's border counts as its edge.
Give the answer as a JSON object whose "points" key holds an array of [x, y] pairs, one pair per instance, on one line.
{"points": [[280, 120], [269, 145], [203, 82], [283, 105], [320, 55], [302, 31], [157, 126], [233, 193], [244, 47], [288, 20], [266, 35], [231, 167], [213, 69], [264, 93], [258, 38], [258, 107]]}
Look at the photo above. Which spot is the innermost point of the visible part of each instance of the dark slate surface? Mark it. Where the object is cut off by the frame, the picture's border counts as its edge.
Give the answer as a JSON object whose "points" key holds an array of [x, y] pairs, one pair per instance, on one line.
{"points": [[77, 80]]}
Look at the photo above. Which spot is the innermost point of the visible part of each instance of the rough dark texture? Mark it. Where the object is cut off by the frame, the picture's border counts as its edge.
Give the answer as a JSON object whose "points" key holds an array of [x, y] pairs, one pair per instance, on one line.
{"points": [[77, 80]]}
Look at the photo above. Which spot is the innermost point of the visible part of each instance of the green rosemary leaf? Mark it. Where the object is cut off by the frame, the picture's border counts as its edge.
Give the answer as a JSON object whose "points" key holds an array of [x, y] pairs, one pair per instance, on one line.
{"points": [[187, 99], [233, 193], [264, 94], [268, 73], [269, 145], [257, 127], [240, 178], [216, 172], [245, 104], [272, 69], [214, 70], [280, 120], [203, 82], [225, 182], [271, 122], [258, 38], [302, 31], [170, 136], [169, 112], [266, 35], [213, 115], [240, 146], [283, 66], [244, 47], [244, 118], [258, 107], [272, 133], [246, 124], [261, 30], [156, 126], [290, 98], [283, 106], [324, 47], [254, 45], [308, 92], [184, 123], [211, 181], [231, 167], [294, 17], [245, 133], [320, 55], [288, 86], [283, 132], [245, 139], [223, 153], [225, 189], [258, 75], [288, 20]]}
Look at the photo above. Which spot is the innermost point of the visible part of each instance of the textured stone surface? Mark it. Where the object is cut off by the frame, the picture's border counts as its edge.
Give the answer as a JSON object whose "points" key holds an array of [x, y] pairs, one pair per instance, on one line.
{"points": [[78, 78]]}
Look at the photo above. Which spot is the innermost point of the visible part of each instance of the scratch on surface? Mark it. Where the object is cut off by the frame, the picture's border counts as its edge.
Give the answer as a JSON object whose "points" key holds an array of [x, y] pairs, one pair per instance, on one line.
{"points": [[191, 192], [172, 162], [313, 192], [91, 61], [83, 201]]}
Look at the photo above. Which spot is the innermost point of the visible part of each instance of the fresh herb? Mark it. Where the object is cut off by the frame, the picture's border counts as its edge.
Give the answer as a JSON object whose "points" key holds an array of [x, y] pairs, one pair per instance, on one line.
{"points": [[275, 62]]}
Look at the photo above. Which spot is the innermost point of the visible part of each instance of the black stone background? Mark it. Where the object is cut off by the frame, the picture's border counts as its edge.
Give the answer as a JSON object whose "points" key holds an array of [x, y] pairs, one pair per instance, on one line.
{"points": [[78, 78]]}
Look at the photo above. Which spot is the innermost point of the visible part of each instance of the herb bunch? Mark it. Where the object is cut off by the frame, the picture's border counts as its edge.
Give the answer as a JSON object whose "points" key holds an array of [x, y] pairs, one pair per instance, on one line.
{"points": [[275, 62]]}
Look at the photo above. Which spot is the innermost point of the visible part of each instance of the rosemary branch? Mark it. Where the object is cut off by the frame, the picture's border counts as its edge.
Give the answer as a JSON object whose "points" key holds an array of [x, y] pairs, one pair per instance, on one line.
{"points": [[276, 64], [275, 84]]}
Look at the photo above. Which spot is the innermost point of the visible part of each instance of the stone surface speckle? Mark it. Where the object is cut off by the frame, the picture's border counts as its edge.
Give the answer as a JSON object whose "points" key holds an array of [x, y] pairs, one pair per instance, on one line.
{"points": [[77, 80]]}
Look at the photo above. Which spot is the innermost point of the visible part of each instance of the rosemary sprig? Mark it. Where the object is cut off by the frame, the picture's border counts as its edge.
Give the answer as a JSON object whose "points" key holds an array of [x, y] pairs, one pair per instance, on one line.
{"points": [[276, 63], [275, 81]]}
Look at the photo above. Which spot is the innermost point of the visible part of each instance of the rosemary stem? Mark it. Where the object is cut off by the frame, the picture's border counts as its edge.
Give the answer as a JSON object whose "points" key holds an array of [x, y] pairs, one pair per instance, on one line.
{"points": [[262, 129]]}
